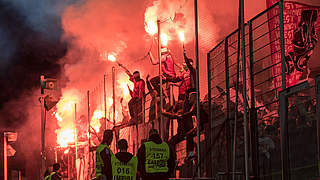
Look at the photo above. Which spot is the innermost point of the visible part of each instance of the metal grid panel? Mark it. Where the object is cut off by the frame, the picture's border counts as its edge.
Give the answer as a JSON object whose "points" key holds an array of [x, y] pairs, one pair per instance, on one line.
{"points": [[266, 79], [302, 134]]}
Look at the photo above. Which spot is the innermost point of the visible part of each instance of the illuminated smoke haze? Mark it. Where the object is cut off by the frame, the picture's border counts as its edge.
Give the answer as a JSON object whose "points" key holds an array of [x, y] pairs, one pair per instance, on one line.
{"points": [[65, 40]]}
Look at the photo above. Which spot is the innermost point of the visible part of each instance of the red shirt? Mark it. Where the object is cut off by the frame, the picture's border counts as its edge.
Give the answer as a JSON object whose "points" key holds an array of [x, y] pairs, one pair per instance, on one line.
{"points": [[137, 88], [167, 65], [187, 81]]}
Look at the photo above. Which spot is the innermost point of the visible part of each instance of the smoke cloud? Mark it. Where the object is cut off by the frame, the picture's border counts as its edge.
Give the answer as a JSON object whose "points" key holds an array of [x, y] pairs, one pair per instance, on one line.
{"points": [[67, 39]]}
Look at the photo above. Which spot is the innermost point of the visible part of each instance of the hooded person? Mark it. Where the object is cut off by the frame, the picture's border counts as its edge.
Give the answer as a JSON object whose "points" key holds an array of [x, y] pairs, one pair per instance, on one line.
{"points": [[124, 164], [103, 157], [155, 158], [54, 175]]}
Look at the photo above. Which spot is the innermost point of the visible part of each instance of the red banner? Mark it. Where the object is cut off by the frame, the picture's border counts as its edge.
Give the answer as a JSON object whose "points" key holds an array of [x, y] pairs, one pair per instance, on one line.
{"points": [[301, 26]]}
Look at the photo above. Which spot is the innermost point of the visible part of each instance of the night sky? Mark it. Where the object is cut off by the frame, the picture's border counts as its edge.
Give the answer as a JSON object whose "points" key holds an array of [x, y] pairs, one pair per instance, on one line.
{"points": [[30, 46]]}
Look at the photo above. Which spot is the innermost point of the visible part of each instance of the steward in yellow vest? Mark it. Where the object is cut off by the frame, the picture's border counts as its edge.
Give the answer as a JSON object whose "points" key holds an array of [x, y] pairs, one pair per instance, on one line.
{"points": [[155, 159], [124, 164], [54, 175], [103, 157]]}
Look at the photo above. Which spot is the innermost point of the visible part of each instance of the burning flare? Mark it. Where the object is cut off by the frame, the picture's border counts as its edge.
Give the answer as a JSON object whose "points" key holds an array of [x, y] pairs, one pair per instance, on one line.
{"points": [[181, 36], [151, 27], [65, 137], [95, 120], [164, 39], [65, 119], [112, 58]]}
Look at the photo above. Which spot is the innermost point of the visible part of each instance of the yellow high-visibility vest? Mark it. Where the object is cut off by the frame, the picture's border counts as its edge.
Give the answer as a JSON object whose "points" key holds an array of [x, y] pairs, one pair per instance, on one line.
{"points": [[157, 156], [49, 176], [99, 161], [122, 170]]}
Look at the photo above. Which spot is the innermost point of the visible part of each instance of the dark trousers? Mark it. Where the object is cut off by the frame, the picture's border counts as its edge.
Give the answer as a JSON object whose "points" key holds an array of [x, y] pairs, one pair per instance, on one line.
{"points": [[184, 126], [135, 109], [155, 81]]}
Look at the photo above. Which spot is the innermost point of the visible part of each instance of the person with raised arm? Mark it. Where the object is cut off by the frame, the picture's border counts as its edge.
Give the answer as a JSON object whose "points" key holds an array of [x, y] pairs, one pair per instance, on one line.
{"points": [[137, 94]]}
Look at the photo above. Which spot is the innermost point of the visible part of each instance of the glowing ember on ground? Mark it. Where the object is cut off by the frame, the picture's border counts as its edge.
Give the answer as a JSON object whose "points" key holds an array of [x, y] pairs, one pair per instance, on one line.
{"points": [[164, 39], [95, 120], [181, 36], [151, 27], [65, 137], [112, 58]]}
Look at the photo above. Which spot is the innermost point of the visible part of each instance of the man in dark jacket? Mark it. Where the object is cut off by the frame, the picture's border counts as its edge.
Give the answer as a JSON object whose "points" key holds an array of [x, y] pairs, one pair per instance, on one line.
{"points": [[124, 164], [155, 159], [185, 122]]}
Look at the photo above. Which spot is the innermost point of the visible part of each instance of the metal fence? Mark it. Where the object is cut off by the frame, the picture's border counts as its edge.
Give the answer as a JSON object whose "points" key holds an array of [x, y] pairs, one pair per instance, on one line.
{"points": [[263, 82]]}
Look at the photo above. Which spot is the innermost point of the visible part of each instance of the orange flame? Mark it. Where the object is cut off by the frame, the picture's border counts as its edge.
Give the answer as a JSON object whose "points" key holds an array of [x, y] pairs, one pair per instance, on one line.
{"points": [[65, 118], [95, 120], [65, 137]]}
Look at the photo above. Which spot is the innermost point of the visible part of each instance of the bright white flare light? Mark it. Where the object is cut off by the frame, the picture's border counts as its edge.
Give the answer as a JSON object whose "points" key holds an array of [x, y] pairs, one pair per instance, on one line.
{"points": [[181, 36], [111, 58], [164, 39]]}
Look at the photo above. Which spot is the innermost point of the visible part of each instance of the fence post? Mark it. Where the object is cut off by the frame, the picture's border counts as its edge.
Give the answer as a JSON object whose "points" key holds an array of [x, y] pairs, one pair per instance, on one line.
{"points": [[318, 119], [253, 114], [282, 46], [210, 111], [227, 124], [244, 84], [283, 102]]}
